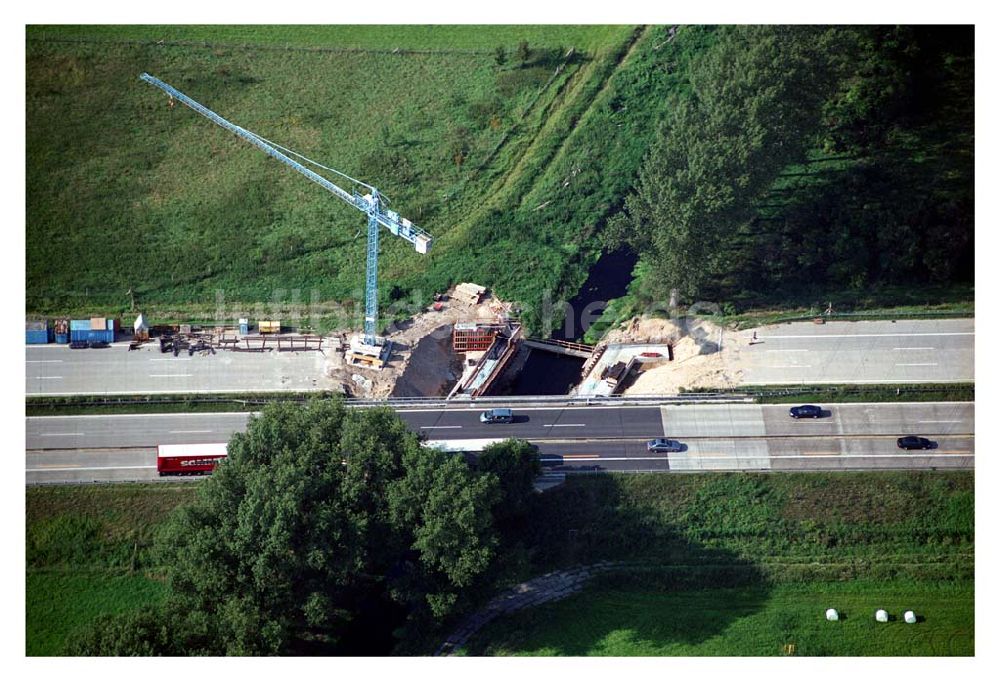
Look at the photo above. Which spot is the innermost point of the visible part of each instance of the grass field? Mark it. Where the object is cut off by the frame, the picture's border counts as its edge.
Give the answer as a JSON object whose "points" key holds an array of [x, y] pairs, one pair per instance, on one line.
{"points": [[512, 168], [368, 37], [126, 193], [729, 564], [87, 553], [616, 620], [60, 602]]}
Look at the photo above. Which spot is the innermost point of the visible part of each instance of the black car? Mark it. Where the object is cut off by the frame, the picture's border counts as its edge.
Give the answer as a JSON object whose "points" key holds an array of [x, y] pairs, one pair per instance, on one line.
{"points": [[805, 411], [913, 442], [77, 345]]}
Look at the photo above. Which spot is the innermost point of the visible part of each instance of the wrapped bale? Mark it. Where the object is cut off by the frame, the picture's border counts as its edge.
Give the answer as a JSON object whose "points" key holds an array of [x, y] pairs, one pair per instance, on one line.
{"points": [[832, 615], [882, 616]]}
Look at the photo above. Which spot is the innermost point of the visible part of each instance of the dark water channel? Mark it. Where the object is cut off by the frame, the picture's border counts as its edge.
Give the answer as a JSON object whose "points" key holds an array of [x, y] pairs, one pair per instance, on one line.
{"points": [[546, 373]]}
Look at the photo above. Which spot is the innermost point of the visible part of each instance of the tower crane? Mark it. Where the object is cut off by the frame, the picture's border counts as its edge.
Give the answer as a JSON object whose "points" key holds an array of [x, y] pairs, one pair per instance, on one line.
{"points": [[372, 203]]}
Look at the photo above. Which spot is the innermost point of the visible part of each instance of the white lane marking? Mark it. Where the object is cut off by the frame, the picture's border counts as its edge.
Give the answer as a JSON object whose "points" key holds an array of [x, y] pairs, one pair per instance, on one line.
{"points": [[855, 380], [789, 350], [913, 348], [167, 375], [42, 361], [113, 467], [916, 364], [60, 434], [829, 336], [938, 421], [207, 413], [169, 359], [185, 432], [696, 457], [790, 366], [439, 427], [44, 377], [564, 425]]}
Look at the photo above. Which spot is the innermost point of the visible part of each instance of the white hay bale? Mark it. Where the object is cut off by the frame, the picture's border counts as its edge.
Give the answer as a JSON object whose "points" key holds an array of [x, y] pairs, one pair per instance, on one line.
{"points": [[832, 615], [909, 617], [882, 616]]}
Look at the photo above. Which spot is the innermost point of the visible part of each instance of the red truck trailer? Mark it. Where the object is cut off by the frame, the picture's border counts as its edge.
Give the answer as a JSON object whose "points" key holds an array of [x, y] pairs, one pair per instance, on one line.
{"points": [[186, 459]]}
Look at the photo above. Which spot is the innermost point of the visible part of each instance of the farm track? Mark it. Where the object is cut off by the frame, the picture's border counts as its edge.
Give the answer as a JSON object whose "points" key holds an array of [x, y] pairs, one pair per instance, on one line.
{"points": [[572, 88]]}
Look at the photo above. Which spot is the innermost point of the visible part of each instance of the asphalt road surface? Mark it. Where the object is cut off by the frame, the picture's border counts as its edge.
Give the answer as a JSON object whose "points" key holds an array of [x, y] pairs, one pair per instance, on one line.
{"points": [[803, 353], [56, 370], [716, 437], [905, 351]]}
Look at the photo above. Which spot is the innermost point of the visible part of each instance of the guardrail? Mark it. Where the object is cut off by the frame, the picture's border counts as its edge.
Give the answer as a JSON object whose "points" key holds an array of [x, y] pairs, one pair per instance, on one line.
{"points": [[735, 395]]}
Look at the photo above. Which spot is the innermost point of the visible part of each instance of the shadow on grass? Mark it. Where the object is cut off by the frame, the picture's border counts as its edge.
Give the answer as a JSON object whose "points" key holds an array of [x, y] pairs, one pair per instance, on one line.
{"points": [[704, 589]]}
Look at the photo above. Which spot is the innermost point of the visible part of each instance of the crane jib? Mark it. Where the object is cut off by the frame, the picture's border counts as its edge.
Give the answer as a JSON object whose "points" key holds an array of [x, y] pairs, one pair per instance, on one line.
{"points": [[396, 225]]}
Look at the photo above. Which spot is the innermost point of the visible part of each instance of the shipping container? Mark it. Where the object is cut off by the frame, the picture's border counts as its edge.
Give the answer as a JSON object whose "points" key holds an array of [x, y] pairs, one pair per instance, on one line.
{"points": [[36, 336], [91, 335], [79, 325], [98, 323], [62, 338], [189, 458], [36, 325]]}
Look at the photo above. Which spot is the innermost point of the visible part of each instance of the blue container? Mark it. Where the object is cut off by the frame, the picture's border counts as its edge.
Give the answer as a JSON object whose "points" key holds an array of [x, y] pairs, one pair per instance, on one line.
{"points": [[79, 325], [36, 336], [62, 338]]}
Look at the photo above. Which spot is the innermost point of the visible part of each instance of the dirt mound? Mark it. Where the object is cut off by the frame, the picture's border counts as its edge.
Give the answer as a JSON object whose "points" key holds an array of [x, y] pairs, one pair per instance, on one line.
{"points": [[702, 353], [432, 370]]}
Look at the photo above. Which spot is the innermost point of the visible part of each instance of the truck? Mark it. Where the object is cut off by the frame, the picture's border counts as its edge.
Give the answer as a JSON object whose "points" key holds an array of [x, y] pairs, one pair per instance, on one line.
{"points": [[189, 459]]}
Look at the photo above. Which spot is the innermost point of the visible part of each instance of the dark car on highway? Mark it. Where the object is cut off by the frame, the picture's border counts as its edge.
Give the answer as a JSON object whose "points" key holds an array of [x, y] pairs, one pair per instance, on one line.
{"points": [[663, 444], [805, 411], [911, 442]]}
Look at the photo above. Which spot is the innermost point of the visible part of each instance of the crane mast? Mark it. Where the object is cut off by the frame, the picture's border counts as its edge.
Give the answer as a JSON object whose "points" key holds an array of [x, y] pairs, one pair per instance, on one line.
{"points": [[371, 203]]}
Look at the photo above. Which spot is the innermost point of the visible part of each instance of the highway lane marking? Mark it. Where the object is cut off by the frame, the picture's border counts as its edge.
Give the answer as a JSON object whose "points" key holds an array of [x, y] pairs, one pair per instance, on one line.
{"points": [[819, 453], [916, 364], [60, 434], [829, 336], [168, 375], [928, 348], [680, 457], [563, 425], [840, 381], [44, 377], [42, 361], [196, 413], [170, 359], [581, 456], [190, 432], [938, 421], [116, 467], [439, 427]]}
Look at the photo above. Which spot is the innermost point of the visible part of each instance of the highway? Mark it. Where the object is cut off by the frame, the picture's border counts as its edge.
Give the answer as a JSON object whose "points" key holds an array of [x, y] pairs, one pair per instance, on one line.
{"points": [[717, 437], [56, 370], [801, 352], [904, 351]]}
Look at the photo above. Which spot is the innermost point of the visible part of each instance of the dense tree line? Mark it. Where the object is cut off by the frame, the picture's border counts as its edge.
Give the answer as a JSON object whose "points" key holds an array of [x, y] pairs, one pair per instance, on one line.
{"points": [[810, 157], [324, 523]]}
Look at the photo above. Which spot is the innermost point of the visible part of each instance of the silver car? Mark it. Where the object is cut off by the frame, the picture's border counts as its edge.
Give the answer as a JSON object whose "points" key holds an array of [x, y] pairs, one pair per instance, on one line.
{"points": [[663, 444]]}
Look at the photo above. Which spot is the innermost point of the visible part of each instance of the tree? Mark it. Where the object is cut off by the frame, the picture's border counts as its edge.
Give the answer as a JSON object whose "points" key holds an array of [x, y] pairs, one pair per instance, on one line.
{"points": [[500, 55], [523, 52], [516, 465], [318, 512]]}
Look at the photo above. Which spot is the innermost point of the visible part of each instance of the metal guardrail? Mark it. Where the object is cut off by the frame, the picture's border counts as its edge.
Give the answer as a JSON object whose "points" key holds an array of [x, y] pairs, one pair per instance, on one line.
{"points": [[733, 396]]}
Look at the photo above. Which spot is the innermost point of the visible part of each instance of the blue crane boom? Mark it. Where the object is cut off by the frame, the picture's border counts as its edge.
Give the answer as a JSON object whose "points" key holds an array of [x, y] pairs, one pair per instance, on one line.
{"points": [[369, 203]]}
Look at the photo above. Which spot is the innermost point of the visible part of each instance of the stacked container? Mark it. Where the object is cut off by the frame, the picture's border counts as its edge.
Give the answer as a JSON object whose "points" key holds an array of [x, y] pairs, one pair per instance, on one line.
{"points": [[94, 329], [62, 331], [36, 332]]}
